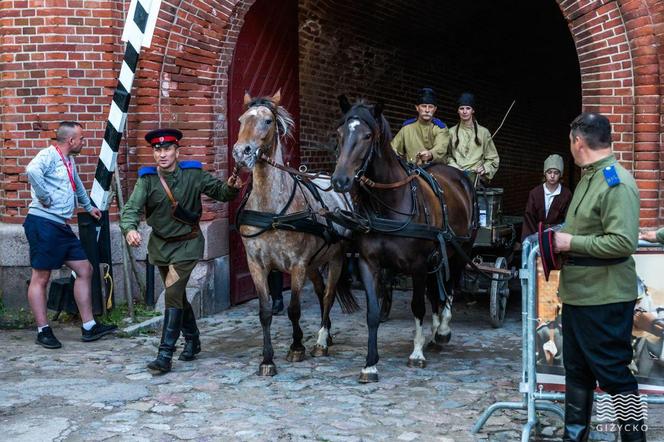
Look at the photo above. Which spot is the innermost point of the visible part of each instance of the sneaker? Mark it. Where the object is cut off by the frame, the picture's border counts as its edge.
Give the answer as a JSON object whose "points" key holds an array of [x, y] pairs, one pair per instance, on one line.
{"points": [[47, 339], [97, 331]]}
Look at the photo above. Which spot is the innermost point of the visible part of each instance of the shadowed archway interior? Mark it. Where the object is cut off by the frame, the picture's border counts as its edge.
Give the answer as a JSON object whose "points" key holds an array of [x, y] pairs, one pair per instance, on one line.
{"points": [[502, 51]]}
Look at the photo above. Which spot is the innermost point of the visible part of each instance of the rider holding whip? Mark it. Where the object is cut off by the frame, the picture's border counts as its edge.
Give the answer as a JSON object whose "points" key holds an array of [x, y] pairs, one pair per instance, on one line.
{"points": [[471, 145]]}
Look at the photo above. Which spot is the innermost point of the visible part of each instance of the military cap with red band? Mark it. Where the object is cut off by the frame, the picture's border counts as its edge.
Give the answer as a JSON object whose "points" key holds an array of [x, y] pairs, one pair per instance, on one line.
{"points": [[163, 136]]}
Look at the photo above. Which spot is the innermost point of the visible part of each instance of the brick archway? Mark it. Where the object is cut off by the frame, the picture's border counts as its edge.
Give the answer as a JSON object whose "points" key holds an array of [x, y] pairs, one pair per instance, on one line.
{"points": [[621, 74]]}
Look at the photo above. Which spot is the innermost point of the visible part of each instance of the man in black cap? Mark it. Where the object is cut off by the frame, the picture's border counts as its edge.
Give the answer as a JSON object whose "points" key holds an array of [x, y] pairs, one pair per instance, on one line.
{"points": [[425, 138], [170, 194], [471, 146]]}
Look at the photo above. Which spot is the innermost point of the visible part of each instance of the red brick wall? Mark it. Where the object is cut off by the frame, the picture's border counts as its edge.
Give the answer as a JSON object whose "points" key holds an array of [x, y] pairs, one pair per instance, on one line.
{"points": [[60, 60], [618, 44]]}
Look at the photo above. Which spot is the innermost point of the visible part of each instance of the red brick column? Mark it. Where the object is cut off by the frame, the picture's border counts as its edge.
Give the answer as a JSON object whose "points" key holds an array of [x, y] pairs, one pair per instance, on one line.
{"points": [[621, 76]]}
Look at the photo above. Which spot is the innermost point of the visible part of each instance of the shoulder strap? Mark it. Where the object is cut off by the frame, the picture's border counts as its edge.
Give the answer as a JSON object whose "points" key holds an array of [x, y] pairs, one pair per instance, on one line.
{"points": [[167, 189]]}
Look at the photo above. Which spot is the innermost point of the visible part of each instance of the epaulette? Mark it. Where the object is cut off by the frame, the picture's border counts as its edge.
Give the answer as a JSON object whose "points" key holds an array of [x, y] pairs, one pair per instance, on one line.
{"points": [[435, 121], [439, 123], [147, 170], [191, 164], [611, 175]]}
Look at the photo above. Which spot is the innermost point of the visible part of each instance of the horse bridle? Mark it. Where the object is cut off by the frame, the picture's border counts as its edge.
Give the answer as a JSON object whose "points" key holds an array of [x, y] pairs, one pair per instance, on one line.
{"points": [[360, 176]]}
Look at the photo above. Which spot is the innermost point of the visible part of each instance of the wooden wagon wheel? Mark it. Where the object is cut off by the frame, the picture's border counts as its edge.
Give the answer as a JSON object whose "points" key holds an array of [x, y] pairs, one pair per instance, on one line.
{"points": [[499, 292]]}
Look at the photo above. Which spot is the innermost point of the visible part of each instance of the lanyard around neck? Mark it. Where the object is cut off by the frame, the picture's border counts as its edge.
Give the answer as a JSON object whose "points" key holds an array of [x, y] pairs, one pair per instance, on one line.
{"points": [[70, 169]]}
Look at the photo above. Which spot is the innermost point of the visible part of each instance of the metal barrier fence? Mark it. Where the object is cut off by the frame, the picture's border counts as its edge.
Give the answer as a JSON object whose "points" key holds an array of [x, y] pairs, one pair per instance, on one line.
{"points": [[534, 400]]}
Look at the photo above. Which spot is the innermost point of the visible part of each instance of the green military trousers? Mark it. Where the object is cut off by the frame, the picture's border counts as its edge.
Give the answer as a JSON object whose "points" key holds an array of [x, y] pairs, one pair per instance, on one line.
{"points": [[175, 277]]}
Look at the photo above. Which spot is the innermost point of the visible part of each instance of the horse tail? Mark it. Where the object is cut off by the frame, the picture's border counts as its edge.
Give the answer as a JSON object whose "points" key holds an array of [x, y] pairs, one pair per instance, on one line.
{"points": [[344, 294]]}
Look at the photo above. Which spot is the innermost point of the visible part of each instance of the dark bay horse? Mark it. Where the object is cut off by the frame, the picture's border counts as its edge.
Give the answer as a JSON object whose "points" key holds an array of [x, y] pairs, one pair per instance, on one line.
{"points": [[281, 199], [383, 188]]}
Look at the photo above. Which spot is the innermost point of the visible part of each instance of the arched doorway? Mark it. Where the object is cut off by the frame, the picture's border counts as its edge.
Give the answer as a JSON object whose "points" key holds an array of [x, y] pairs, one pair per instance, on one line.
{"points": [[501, 51], [265, 59]]}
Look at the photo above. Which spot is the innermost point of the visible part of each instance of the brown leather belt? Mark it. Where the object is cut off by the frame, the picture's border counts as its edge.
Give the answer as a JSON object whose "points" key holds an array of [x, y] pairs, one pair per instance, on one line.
{"points": [[195, 230]]}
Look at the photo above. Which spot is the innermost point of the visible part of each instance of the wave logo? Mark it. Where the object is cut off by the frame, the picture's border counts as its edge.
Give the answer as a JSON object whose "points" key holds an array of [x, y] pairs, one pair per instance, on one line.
{"points": [[626, 412]]}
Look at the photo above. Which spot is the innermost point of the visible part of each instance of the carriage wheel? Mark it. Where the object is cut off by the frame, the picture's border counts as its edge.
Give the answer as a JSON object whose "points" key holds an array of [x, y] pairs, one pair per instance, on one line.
{"points": [[499, 293]]}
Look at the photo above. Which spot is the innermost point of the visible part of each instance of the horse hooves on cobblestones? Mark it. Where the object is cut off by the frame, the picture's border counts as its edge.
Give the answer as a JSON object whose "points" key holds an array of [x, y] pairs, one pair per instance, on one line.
{"points": [[267, 370], [417, 363], [295, 355], [366, 378], [443, 339], [319, 351]]}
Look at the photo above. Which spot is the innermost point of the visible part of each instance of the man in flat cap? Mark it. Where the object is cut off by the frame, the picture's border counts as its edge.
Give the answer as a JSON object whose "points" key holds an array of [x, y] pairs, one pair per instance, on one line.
{"points": [[425, 138], [170, 193], [471, 145]]}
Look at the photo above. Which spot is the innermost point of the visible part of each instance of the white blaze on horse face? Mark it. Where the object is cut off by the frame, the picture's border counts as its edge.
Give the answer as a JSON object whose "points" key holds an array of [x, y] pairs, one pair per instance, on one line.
{"points": [[418, 342], [352, 125], [322, 337]]}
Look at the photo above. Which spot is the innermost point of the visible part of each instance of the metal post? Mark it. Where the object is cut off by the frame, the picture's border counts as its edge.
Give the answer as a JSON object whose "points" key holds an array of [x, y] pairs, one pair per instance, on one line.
{"points": [[149, 282]]}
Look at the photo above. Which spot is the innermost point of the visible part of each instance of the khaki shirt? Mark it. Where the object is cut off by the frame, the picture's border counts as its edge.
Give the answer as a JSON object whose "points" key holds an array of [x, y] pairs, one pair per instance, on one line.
{"points": [[418, 136], [187, 185], [468, 155], [604, 222]]}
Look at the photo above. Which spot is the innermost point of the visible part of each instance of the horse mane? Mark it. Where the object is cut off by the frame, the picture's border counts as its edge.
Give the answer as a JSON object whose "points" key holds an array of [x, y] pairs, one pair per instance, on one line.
{"points": [[285, 122]]}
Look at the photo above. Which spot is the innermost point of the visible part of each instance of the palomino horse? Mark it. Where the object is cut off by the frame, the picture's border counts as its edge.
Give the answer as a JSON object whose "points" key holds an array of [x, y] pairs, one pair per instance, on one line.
{"points": [[398, 213], [280, 207]]}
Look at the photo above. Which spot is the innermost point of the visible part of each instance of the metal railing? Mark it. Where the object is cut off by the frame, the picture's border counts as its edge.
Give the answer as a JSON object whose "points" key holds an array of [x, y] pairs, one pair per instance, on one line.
{"points": [[532, 399]]}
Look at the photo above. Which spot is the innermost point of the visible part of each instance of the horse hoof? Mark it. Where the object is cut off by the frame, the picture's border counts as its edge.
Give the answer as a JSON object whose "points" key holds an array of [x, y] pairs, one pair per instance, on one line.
{"points": [[319, 351], [417, 363], [267, 370], [367, 378], [295, 356], [443, 339]]}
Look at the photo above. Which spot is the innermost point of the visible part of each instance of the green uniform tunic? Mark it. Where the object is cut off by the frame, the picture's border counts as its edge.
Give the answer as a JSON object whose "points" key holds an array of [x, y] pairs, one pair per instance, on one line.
{"points": [[468, 155], [604, 222], [187, 185], [418, 136]]}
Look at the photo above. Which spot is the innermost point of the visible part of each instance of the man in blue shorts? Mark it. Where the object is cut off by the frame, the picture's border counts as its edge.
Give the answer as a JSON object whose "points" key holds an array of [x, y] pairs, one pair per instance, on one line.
{"points": [[56, 191]]}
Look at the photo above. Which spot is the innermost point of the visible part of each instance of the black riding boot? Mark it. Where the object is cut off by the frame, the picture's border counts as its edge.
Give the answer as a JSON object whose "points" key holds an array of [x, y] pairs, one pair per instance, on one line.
{"points": [[632, 430], [169, 336], [275, 283], [192, 342], [578, 409]]}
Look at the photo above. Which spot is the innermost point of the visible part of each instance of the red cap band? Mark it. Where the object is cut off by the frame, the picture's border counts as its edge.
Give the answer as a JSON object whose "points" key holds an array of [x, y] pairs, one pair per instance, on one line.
{"points": [[166, 139]]}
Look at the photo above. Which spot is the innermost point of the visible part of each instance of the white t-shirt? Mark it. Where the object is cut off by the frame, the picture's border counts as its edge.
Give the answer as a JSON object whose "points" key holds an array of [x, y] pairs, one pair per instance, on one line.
{"points": [[549, 196]]}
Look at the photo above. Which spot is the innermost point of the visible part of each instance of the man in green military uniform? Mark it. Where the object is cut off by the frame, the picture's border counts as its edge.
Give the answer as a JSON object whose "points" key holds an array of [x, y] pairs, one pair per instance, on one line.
{"points": [[170, 193], [425, 138], [471, 145], [598, 285]]}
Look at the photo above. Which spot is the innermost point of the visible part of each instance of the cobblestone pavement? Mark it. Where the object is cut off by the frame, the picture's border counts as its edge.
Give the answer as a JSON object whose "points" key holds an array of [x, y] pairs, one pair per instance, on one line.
{"points": [[102, 391]]}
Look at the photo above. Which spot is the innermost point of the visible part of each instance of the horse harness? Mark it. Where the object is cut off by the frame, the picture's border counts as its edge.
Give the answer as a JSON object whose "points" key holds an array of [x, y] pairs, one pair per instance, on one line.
{"points": [[304, 221]]}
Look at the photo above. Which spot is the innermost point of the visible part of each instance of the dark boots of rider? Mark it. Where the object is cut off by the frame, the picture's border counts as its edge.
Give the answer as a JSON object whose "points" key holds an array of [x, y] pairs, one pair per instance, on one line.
{"points": [[633, 429], [169, 337], [192, 342], [578, 410], [275, 283]]}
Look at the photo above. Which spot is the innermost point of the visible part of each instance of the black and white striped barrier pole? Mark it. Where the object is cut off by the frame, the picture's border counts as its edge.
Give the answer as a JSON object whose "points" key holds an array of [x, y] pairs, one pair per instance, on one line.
{"points": [[138, 30], [95, 237]]}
